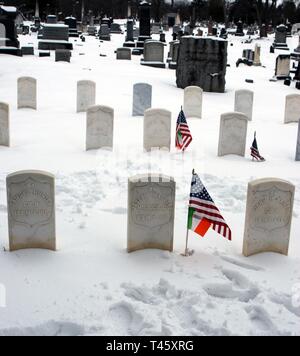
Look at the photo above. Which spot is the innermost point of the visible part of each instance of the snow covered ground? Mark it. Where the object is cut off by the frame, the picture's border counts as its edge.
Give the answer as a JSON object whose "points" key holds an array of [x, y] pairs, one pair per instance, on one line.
{"points": [[91, 285]]}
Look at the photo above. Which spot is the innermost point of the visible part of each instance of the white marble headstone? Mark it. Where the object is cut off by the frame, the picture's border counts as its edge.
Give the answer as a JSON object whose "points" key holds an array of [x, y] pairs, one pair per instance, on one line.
{"points": [[268, 216], [298, 144], [292, 108], [151, 209], [100, 127], [142, 98], [157, 129], [193, 97], [233, 134], [4, 125], [86, 95], [154, 51], [27, 93], [31, 210], [244, 102]]}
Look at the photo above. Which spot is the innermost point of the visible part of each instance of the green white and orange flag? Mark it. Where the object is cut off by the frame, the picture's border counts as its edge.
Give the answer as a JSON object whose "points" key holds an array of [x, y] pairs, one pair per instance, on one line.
{"points": [[203, 213]]}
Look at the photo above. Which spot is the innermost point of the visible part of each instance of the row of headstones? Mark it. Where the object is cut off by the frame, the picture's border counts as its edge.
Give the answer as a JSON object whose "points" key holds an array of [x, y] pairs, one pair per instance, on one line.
{"points": [[157, 122], [193, 102], [151, 213], [142, 99]]}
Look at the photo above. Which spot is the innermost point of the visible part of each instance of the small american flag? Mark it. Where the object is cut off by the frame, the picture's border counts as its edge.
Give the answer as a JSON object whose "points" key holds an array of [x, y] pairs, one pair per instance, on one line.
{"points": [[183, 134], [255, 152], [203, 212]]}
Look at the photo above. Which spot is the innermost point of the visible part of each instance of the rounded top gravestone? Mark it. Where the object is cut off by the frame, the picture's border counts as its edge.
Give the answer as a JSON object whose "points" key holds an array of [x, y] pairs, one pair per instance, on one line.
{"points": [[233, 134], [292, 108], [157, 129], [4, 125], [151, 211], [31, 210], [268, 216], [244, 102], [142, 98], [100, 127], [27, 93], [298, 144], [193, 97], [86, 95]]}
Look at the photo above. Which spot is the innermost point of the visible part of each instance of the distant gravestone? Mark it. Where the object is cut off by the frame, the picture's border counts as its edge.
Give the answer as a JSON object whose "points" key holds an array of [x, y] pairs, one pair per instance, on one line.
{"points": [[154, 54], [202, 62], [99, 128], [257, 61], [292, 108], [86, 95], [142, 98], [157, 129], [244, 102], [124, 54], [283, 66], [27, 93], [233, 134], [268, 216], [281, 37], [63, 55], [104, 33], [298, 144], [31, 210], [193, 97], [4, 125], [151, 210]]}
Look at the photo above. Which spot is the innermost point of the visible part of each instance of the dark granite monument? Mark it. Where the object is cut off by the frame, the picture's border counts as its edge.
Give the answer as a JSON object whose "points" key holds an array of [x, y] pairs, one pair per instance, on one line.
{"points": [[8, 33], [202, 62]]}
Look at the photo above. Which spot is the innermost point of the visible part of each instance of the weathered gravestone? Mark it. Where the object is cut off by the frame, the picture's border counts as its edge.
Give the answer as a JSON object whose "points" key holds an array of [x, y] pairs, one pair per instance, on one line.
{"points": [[257, 61], [63, 55], [244, 102], [151, 210], [268, 216], [193, 97], [4, 124], [233, 134], [142, 98], [52, 19], [27, 51], [31, 210], [174, 58], [202, 62], [104, 33], [116, 28], [86, 95], [124, 54], [27, 93], [129, 42], [157, 129], [280, 38], [55, 37], [9, 43], [292, 108], [298, 144], [283, 66], [154, 54], [99, 127]]}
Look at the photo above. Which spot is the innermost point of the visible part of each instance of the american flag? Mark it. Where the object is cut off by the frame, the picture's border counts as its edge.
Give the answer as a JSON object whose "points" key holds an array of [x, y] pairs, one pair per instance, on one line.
{"points": [[203, 212], [183, 134], [255, 152]]}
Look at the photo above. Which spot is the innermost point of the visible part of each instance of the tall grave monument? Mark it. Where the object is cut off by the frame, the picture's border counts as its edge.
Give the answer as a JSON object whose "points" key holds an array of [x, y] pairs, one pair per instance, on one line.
{"points": [[9, 43], [145, 25]]}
